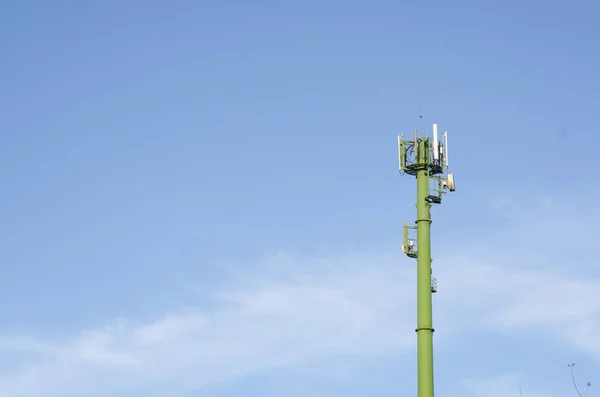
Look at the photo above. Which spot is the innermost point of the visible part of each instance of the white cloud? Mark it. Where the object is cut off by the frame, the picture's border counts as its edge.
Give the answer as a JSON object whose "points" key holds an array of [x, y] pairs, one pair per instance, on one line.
{"points": [[344, 307], [505, 385], [290, 309], [505, 297]]}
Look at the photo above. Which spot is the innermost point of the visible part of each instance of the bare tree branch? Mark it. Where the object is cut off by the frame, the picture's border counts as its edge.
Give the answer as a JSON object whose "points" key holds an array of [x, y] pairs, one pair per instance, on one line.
{"points": [[587, 385]]}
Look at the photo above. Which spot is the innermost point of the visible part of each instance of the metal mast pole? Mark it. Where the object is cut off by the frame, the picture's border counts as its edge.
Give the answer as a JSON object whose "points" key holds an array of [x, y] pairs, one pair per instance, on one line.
{"points": [[424, 304], [426, 159]]}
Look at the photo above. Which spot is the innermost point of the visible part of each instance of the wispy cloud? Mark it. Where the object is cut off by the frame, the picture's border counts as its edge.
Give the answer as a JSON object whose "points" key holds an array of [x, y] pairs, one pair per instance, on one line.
{"points": [[290, 309], [323, 307], [499, 386]]}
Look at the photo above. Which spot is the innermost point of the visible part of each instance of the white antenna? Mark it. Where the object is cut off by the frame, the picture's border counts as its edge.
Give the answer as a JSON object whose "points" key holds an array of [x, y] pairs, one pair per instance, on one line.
{"points": [[400, 152], [435, 143], [446, 148]]}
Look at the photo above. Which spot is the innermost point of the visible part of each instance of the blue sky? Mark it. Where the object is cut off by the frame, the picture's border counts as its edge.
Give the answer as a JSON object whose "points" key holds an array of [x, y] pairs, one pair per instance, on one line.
{"points": [[201, 198]]}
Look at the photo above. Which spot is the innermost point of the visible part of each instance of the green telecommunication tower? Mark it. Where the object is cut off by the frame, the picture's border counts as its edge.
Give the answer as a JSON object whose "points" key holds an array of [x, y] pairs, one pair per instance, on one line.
{"points": [[427, 159]]}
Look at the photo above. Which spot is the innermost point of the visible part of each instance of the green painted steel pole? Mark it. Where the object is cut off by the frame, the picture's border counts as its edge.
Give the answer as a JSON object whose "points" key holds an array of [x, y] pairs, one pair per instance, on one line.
{"points": [[424, 306]]}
